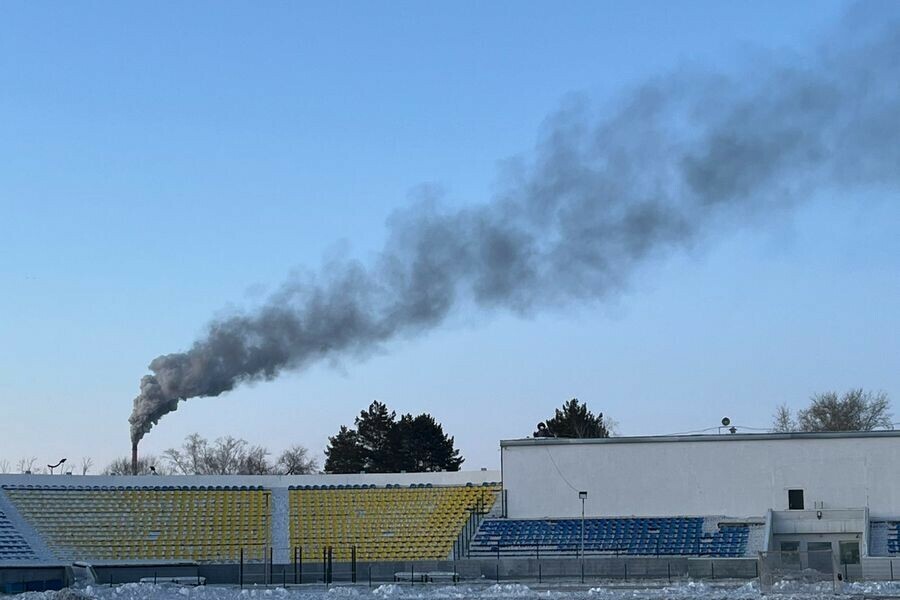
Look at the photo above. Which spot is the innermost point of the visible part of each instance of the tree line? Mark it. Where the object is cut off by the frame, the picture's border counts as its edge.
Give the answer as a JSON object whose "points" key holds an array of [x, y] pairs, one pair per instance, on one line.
{"points": [[29, 464], [223, 456], [379, 442], [854, 410]]}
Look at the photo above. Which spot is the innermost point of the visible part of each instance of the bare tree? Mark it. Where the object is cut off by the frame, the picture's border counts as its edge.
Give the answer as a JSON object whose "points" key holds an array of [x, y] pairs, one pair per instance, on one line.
{"points": [[4, 466], [612, 427], [147, 465], [783, 420], [26, 464], [225, 456], [86, 463], [192, 458], [855, 410], [256, 462], [296, 461]]}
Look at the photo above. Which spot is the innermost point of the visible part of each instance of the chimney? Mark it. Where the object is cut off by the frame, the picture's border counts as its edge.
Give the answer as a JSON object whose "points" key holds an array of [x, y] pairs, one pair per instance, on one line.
{"points": [[134, 464]]}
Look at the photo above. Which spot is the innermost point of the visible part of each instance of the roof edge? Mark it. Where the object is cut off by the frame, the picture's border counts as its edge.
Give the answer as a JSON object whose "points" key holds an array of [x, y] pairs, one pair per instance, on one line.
{"points": [[724, 437]]}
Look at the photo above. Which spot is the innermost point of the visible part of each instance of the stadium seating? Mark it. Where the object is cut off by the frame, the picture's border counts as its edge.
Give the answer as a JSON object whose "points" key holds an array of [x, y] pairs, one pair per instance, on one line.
{"points": [[618, 536], [893, 539], [146, 523], [13, 546], [390, 523]]}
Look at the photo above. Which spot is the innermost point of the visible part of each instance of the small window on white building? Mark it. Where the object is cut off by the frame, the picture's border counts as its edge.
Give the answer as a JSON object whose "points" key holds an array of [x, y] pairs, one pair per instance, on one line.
{"points": [[795, 499]]}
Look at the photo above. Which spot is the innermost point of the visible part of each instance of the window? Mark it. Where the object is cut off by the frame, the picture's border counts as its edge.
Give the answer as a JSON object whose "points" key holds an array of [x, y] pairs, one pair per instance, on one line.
{"points": [[795, 499], [790, 554], [849, 553], [819, 557]]}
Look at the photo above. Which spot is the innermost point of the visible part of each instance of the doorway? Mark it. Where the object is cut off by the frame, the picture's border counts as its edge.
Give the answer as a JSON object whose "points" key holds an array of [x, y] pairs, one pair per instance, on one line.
{"points": [[820, 556]]}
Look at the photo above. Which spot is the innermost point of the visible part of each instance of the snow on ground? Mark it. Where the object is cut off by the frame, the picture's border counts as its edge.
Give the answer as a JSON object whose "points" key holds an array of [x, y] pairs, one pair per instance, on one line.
{"points": [[680, 591]]}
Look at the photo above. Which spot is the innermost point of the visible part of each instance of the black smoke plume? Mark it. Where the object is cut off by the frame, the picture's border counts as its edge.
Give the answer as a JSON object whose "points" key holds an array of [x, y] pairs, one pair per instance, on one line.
{"points": [[679, 157]]}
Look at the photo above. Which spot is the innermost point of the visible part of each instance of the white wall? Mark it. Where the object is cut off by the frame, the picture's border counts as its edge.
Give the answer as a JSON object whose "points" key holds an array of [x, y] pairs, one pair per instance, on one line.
{"points": [[266, 481], [733, 475]]}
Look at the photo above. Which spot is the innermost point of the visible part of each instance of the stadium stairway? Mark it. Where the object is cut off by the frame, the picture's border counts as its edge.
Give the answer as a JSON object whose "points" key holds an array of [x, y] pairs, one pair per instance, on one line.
{"points": [[756, 541], [495, 510], [19, 542], [281, 528]]}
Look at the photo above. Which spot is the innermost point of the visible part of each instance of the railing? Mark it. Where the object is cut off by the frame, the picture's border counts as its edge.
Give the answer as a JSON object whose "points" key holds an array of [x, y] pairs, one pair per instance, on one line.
{"points": [[470, 528], [574, 549]]}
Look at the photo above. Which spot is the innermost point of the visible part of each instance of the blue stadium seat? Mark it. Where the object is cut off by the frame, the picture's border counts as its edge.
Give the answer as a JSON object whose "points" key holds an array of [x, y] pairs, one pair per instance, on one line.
{"points": [[637, 536], [13, 546], [893, 540]]}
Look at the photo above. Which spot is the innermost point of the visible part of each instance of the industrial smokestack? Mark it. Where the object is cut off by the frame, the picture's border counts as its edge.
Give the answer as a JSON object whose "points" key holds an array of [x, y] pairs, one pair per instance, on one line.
{"points": [[134, 460], [681, 158]]}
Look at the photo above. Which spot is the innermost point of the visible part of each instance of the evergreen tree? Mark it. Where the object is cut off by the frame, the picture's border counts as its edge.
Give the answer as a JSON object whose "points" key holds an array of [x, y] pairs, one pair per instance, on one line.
{"points": [[373, 430], [574, 420], [381, 444], [344, 453], [420, 444]]}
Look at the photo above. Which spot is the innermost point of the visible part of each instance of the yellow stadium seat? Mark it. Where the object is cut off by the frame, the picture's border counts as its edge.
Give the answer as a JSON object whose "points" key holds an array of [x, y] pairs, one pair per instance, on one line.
{"points": [[384, 524], [144, 523]]}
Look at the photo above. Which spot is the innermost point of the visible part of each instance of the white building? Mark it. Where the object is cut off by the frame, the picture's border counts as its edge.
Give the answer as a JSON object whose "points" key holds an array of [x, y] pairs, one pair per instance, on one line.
{"points": [[811, 490]]}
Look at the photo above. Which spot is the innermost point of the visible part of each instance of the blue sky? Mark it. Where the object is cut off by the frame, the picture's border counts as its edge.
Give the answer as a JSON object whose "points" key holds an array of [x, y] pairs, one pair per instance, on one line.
{"points": [[164, 163]]}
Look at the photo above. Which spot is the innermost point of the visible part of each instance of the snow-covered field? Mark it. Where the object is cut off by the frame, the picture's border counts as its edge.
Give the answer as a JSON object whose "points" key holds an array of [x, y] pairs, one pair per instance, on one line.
{"points": [[705, 591]]}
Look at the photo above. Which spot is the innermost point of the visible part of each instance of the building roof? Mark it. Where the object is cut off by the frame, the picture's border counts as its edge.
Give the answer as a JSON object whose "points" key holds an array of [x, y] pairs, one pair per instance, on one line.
{"points": [[723, 437]]}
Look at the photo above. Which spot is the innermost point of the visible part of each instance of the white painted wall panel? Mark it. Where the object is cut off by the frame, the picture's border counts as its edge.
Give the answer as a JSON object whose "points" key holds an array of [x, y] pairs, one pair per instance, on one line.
{"points": [[719, 475]]}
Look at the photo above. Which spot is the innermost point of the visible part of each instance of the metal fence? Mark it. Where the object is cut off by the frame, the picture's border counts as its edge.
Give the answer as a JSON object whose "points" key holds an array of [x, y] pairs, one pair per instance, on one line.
{"points": [[782, 569], [299, 566], [304, 568]]}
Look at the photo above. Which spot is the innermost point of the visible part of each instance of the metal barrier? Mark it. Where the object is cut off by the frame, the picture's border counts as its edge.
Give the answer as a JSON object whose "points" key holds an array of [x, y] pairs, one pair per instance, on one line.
{"points": [[780, 569], [306, 568], [300, 565]]}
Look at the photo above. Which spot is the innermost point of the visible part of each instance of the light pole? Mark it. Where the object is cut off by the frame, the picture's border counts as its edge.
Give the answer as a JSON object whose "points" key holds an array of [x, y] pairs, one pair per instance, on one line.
{"points": [[51, 467], [583, 497]]}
